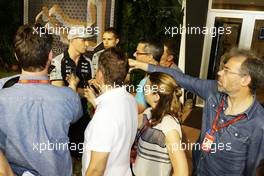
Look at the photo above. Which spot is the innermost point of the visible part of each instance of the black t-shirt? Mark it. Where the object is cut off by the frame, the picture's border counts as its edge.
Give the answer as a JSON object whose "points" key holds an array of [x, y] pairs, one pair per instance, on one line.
{"points": [[82, 70]]}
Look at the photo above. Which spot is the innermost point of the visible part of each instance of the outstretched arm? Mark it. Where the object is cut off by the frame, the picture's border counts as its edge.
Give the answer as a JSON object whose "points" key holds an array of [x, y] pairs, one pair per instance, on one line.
{"points": [[202, 88]]}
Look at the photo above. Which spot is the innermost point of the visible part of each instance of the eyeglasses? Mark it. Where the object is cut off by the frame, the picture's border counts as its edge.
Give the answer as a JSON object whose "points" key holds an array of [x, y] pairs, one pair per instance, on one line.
{"points": [[226, 71], [139, 53]]}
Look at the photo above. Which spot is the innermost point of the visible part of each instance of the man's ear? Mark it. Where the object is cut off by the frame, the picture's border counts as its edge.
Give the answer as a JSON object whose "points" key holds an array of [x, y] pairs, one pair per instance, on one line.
{"points": [[170, 58], [50, 55], [151, 60], [117, 41], [246, 80], [100, 77]]}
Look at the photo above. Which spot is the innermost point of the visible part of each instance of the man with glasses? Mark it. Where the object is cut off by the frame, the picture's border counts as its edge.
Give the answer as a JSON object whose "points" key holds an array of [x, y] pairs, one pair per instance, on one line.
{"points": [[148, 51], [232, 135]]}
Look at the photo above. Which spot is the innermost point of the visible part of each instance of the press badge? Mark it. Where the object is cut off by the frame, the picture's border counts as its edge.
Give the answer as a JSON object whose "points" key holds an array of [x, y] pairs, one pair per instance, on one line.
{"points": [[207, 142]]}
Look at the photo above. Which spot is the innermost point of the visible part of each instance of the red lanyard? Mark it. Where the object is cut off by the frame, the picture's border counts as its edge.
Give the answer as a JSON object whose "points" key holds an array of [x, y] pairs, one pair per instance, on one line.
{"points": [[215, 127], [26, 81]]}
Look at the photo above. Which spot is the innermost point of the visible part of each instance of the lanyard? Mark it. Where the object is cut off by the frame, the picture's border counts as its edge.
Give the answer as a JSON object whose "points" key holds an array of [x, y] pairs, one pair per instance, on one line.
{"points": [[32, 81], [215, 127]]}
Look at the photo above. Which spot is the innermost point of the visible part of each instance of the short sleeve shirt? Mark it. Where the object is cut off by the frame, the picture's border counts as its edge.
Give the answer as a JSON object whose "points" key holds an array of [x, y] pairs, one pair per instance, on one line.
{"points": [[63, 65], [140, 98], [112, 130], [35, 120], [153, 158]]}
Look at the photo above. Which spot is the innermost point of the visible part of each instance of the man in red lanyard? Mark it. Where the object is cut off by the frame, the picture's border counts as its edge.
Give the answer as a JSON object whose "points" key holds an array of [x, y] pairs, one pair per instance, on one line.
{"points": [[232, 135], [35, 115]]}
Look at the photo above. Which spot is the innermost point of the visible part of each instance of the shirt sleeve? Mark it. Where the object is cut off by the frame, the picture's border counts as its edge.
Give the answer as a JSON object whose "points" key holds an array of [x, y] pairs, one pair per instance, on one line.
{"points": [[102, 134], [170, 123], [140, 99], [55, 73], [202, 88]]}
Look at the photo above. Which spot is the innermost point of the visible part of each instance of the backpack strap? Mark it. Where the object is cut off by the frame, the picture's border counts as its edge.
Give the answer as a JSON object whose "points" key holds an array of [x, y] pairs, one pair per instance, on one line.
{"points": [[11, 82]]}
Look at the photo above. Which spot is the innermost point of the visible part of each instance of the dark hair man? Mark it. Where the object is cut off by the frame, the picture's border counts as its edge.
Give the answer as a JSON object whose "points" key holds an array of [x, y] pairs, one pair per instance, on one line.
{"points": [[170, 54], [35, 116], [110, 39], [148, 51], [232, 135], [112, 130]]}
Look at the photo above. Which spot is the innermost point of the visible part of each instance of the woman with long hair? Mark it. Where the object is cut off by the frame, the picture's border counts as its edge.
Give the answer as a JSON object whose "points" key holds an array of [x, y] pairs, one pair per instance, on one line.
{"points": [[159, 139]]}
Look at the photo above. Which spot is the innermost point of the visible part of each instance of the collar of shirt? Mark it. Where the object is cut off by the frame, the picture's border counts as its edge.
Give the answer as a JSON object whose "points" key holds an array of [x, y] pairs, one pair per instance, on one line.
{"points": [[67, 57], [111, 94], [28, 77], [249, 112]]}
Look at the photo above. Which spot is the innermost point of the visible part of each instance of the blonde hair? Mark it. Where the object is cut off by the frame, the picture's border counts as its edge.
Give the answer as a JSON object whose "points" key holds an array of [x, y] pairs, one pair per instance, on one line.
{"points": [[169, 92]]}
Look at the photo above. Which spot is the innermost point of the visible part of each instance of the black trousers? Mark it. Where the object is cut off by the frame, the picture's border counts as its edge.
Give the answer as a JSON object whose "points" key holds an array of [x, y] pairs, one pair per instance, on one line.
{"points": [[76, 132]]}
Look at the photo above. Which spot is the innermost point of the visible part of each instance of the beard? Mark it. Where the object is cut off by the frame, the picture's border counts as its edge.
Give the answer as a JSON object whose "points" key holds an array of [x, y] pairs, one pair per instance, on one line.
{"points": [[220, 88]]}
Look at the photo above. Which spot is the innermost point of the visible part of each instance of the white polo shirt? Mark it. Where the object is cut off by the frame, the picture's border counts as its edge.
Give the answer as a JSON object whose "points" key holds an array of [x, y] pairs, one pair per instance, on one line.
{"points": [[112, 129]]}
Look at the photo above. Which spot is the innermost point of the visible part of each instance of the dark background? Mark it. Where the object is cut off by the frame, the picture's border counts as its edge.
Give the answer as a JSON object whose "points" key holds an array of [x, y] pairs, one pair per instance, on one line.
{"points": [[135, 19]]}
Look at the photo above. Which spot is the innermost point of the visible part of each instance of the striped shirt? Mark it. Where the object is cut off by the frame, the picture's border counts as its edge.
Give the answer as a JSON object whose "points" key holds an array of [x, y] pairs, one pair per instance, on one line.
{"points": [[153, 158]]}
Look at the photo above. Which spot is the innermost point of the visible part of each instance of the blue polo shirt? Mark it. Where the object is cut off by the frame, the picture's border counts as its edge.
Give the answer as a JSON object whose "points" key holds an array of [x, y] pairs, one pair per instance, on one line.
{"points": [[140, 97], [34, 121]]}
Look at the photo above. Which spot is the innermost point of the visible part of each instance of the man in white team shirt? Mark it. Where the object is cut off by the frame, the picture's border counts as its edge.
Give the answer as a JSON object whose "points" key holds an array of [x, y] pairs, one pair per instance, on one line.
{"points": [[112, 130]]}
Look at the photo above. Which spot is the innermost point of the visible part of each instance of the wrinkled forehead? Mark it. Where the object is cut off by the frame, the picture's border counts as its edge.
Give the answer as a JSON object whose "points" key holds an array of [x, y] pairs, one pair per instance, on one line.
{"points": [[234, 63], [141, 47]]}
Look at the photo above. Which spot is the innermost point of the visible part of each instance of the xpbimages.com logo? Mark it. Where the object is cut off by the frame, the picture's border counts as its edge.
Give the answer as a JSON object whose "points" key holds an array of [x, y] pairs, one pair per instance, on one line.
{"points": [[61, 30], [198, 147], [195, 30], [57, 146]]}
